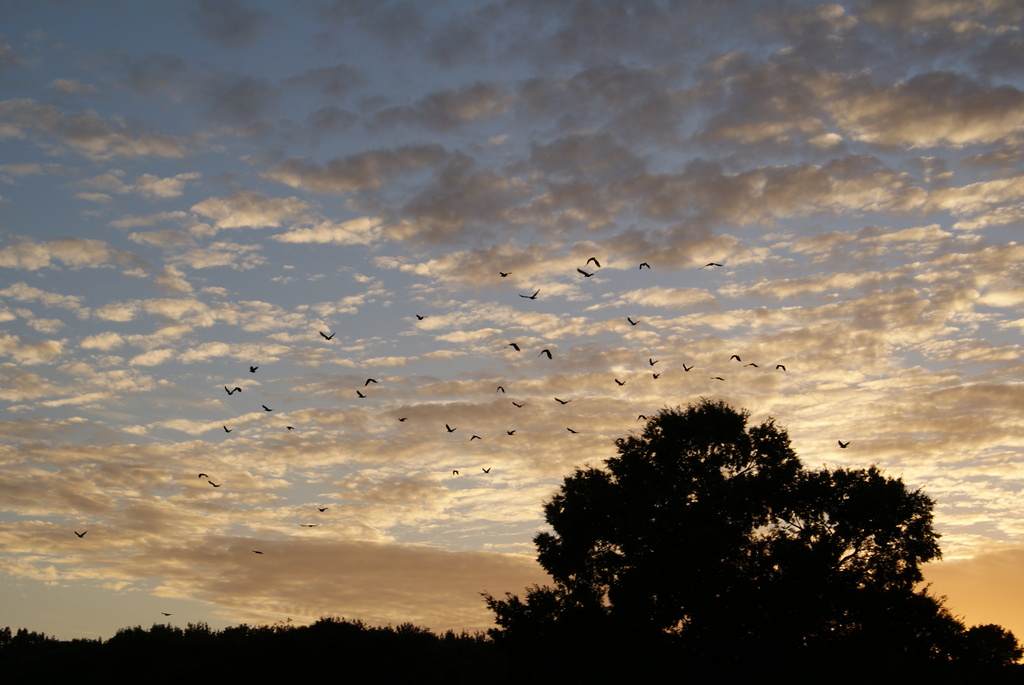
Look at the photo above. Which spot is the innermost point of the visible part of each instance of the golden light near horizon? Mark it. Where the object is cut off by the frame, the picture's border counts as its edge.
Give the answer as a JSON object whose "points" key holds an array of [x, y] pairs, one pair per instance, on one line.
{"points": [[300, 255]]}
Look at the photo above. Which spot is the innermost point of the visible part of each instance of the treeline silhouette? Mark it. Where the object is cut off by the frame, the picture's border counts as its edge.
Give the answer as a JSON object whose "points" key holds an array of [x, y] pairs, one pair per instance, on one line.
{"points": [[330, 649]]}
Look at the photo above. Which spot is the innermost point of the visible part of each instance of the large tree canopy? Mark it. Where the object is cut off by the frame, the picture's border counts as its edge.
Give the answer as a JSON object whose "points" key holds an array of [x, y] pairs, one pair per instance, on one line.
{"points": [[707, 537]]}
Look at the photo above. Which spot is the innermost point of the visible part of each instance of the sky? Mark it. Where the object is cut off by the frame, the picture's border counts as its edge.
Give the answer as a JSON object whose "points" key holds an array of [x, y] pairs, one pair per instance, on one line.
{"points": [[333, 192]]}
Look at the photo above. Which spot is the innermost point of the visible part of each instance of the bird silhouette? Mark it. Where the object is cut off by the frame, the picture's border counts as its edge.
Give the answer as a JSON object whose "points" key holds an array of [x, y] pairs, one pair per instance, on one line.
{"points": [[291, 428], [643, 264], [500, 388], [710, 264], [530, 297], [404, 418], [166, 614], [641, 417], [309, 525], [517, 405], [204, 475], [82, 534], [596, 263], [631, 321], [620, 383], [717, 378], [327, 337], [231, 392], [652, 362], [571, 430], [420, 318], [450, 429], [842, 444], [780, 366], [514, 346], [361, 394], [736, 357], [752, 364], [226, 429], [252, 369], [216, 485], [511, 432], [686, 368], [562, 401], [455, 472], [487, 470], [368, 381], [656, 375], [547, 352], [475, 437], [322, 509], [256, 551], [584, 273], [504, 274], [266, 408]]}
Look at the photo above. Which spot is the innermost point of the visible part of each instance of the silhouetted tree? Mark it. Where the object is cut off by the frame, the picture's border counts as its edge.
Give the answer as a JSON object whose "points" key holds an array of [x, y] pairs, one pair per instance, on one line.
{"points": [[704, 539]]}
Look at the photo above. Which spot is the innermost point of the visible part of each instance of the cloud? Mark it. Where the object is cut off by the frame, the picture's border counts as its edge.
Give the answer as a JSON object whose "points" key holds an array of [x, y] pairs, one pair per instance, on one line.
{"points": [[449, 110], [72, 252], [363, 171], [336, 81], [102, 341], [251, 210], [42, 352], [361, 231], [88, 134], [230, 23], [150, 220]]}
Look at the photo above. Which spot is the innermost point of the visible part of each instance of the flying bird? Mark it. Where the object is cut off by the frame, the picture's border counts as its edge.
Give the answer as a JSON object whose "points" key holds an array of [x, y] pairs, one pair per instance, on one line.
{"points": [[547, 352], [487, 470], [584, 273], [231, 392], [291, 428], [501, 388], [82, 534], [266, 408], [327, 337], [514, 346], [322, 509], [571, 430], [596, 263], [780, 366], [420, 318], [736, 357], [717, 378], [226, 429], [631, 321], [361, 394], [511, 432], [652, 362], [643, 264], [517, 405], [530, 297], [656, 375], [475, 437], [842, 444], [252, 369], [752, 364], [455, 472], [621, 383], [504, 274], [641, 417], [562, 401], [166, 614], [404, 418], [368, 381], [710, 264], [686, 368], [256, 551], [450, 429], [309, 525], [204, 475], [214, 484]]}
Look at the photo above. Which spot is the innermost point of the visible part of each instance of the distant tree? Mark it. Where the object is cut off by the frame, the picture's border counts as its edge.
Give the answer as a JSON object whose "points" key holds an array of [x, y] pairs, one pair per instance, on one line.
{"points": [[704, 539]]}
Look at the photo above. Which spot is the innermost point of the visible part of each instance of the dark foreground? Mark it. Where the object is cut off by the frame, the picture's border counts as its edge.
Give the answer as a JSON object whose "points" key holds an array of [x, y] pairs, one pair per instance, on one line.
{"points": [[333, 650]]}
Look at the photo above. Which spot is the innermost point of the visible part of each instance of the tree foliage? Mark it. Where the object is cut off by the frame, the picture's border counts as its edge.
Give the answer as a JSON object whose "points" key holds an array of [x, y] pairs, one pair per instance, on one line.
{"points": [[706, 537]]}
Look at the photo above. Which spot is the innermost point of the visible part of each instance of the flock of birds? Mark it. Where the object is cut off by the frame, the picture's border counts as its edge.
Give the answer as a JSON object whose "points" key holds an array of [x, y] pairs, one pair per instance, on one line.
{"points": [[546, 352]]}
